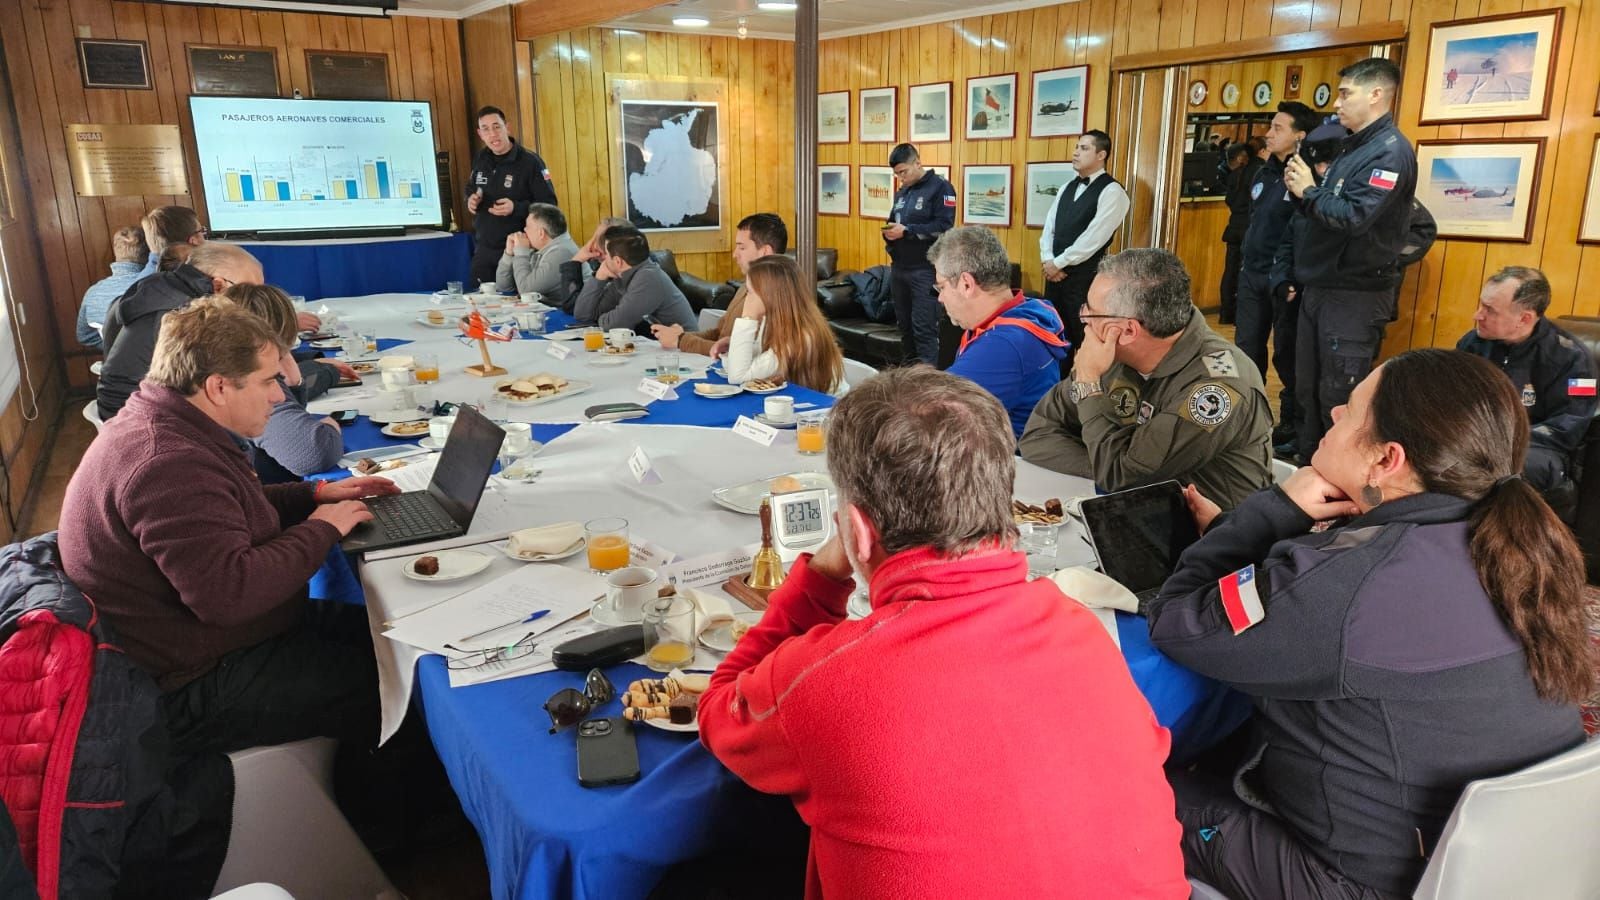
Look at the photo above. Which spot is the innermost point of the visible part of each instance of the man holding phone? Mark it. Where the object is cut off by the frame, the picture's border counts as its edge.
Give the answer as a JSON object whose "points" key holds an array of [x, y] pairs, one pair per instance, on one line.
{"points": [[924, 208], [506, 178]]}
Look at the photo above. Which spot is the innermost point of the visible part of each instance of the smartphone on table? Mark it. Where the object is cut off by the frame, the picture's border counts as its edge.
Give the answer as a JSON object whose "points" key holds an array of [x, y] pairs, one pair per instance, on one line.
{"points": [[607, 753], [345, 416]]}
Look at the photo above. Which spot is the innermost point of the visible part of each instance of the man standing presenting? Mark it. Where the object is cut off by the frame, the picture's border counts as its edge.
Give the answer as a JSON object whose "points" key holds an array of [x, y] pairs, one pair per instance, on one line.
{"points": [[1357, 222], [1077, 231], [759, 234], [505, 178], [924, 208]]}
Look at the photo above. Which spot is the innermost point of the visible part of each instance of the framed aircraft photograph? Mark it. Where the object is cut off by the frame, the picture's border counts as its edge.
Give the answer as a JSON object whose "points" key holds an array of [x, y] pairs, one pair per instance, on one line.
{"points": [[1043, 182], [930, 112], [833, 190], [986, 195], [1483, 189], [877, 192], [1057, 102]]}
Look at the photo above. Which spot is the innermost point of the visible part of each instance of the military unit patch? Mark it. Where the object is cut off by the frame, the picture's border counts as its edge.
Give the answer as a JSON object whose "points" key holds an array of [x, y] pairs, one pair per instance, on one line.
{"points": [[1124, 401], [1209, 405], [1220, 364]]}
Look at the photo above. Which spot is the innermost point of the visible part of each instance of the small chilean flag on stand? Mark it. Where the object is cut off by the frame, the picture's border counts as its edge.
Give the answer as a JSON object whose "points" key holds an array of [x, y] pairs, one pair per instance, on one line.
{"points": [[1580, 387], [1240, 600]]}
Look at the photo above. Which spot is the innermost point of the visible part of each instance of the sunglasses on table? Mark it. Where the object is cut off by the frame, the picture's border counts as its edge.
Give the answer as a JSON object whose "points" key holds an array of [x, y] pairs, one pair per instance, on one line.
{"points": [[569, 706]]}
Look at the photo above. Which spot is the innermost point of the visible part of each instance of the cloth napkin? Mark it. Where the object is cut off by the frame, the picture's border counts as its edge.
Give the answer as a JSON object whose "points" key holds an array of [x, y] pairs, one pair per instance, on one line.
{"points": [[545, 539], [1095, 589], [712, 609]]}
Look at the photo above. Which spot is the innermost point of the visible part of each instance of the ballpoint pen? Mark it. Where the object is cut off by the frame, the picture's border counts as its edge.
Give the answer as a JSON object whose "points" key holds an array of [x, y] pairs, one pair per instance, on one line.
{"points": [[532, 617]]}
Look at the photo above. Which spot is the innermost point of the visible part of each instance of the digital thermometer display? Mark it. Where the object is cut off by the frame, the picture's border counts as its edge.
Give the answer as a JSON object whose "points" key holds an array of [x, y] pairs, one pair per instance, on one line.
{"points": [[801, 521]]}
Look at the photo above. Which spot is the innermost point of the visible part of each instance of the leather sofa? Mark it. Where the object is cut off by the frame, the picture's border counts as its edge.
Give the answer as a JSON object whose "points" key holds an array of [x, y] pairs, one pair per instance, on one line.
{"points": [[700, 293], [1586, 466], [874, 343]]}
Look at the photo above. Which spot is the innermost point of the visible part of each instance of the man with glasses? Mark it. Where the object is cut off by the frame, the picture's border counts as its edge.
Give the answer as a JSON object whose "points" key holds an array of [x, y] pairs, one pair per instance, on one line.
{"points": [[924, 208], [1155, 393], [506, 178]]}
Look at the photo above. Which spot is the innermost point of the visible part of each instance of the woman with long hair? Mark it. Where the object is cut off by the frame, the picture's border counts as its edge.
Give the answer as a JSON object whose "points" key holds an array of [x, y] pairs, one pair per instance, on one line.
{"points": [[1434, 637], [781, 333]]}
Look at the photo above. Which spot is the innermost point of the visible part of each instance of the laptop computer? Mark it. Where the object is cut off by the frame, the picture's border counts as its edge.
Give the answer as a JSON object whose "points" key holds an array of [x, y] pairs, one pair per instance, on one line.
{"points": [[446, 508], [1138, 534]]}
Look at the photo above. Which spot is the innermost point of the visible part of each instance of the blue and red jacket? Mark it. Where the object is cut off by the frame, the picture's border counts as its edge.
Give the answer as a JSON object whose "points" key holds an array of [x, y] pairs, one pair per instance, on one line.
{"points": [[1015, 355]]}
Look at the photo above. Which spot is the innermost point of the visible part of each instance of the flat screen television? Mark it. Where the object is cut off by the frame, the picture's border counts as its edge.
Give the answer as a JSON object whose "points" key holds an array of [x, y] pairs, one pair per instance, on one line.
{"points": [[316, 165]]}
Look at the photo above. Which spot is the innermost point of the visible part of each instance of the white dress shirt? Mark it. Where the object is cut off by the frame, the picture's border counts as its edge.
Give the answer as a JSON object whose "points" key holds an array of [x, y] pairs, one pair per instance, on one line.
{"points": [[1109, 213]]}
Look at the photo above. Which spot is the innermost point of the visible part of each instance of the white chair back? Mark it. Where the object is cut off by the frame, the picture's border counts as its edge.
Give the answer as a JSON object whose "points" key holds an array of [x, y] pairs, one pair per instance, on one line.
{"points": [[1281, 470], [1528, 834], [91, 411], [710, 317], [856, 371]]}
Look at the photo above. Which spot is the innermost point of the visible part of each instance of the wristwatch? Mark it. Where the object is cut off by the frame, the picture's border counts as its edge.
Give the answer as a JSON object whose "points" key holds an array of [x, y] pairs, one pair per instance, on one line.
{"points": [[1083, 390]]}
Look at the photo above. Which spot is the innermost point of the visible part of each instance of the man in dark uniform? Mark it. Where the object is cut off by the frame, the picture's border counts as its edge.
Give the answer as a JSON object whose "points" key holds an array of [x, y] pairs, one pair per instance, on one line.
{"points": [[506, 177], [1357, 222], [1553, 372], [1238, 178], [1260, 312], [924, 208], [1077, 231]]}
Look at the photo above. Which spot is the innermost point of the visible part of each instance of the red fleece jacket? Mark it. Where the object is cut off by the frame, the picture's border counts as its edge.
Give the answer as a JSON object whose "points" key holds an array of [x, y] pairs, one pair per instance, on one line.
{"points": [[978, 735]]}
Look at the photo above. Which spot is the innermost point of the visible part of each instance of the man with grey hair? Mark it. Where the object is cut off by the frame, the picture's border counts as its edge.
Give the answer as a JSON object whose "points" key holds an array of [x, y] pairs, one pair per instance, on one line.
{"points": [[533, 257], [1554, 373], [134, 320], [1012, 346], [1155, 393], [811, 704], [128, 254]]}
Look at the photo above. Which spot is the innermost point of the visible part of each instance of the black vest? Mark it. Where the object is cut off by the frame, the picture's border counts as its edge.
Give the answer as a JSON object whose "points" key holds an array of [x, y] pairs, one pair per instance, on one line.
{"points": [[1073, 216]]}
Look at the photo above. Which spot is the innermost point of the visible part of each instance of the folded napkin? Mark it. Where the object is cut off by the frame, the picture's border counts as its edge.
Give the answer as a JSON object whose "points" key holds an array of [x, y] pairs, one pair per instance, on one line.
{"points": [[1094, 589], [545, 539], [714, 610]]}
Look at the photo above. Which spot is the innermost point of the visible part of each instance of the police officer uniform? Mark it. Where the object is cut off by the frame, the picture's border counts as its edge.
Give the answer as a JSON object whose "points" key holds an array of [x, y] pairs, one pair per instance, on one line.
{"points": [[1555, 376], [1260, 313], [520, 176], [927, 209], [1358, 221], [1079, 227], [1201, 416]]}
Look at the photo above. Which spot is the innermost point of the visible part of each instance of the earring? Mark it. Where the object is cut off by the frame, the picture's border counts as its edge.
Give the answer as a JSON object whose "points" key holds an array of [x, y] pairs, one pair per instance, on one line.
{"points": [[1371, 495]]}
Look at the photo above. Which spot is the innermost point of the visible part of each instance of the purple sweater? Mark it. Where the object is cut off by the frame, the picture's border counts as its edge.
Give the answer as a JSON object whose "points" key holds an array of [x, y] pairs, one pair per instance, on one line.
{"points": [[166, 528]]}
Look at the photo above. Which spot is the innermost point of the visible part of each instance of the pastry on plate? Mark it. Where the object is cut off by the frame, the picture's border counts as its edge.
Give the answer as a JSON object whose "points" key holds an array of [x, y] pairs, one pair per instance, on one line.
{"points": [[1051, 513]]}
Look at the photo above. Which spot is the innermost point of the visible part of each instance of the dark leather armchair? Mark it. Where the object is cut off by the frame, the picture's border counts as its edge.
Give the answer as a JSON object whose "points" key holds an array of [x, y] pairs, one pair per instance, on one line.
{"points": [[1586, 462], [700, 293], [875, 343]]}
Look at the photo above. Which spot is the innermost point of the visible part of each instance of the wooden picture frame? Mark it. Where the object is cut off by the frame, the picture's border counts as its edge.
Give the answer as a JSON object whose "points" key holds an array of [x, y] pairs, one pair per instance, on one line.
{"points": [[1589, 224], [1457, 180], [1057, 103], [878, 115], [833, 117], [1523, 44], [991, 108], [871, 202], [1037, 197], [1292, 76], [208, 64], [986, 195], [114, 65], [347, 75], [833, 190], [929, 112]]}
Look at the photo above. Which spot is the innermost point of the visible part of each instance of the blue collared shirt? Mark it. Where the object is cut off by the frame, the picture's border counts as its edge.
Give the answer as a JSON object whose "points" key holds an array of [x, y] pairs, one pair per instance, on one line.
{"points": [[98, 299]]}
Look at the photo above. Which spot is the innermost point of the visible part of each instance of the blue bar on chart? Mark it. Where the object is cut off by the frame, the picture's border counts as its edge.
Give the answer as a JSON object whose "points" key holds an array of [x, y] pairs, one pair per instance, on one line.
{"points": [[383, 178], [350, 189], [247, 186]]}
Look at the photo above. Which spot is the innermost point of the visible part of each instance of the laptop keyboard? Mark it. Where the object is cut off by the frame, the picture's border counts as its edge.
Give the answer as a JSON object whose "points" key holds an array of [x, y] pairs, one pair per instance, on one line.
{"points": [[409, 515]]}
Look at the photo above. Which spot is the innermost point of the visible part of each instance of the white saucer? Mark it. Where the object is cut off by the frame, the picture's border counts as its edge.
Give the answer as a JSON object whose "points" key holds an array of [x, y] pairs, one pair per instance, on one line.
{"points": [[713, 391], [453, 565], [775, 423], [604, 616], [332, 344], [543, 557], [720, 638], [428, 443], [752, 390], [603, 359], [669, 725]]}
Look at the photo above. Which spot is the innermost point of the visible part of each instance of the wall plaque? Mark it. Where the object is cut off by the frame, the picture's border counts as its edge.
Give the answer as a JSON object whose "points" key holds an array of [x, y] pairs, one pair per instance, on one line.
{"points": [[337, 75], [113, 160], [237, 71], [114, 64]]}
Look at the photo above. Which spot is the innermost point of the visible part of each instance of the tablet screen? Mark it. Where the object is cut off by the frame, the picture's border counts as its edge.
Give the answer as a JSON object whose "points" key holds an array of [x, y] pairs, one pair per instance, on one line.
{"points": [[1138, 533]]}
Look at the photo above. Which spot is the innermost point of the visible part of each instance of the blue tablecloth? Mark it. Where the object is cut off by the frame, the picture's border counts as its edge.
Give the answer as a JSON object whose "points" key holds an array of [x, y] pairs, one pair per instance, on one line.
{"points": [[356, 268]]}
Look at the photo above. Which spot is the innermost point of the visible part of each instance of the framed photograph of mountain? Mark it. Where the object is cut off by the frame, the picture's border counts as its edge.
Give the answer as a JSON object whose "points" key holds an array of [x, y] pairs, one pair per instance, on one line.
{"points": [[1058, 99], [930, 113], [1490, 68], [877, 115], [986, 195], [1043, 182], [833, 190], [992, 107], [833, 118], [877, 192], [1482, 189]]}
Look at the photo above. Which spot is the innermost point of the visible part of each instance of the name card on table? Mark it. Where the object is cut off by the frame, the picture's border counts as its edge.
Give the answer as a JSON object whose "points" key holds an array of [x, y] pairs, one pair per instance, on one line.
{"points": [[649, 554], [557, 349], [713, 568], [656, 389], [639, 464], [755, 431]]}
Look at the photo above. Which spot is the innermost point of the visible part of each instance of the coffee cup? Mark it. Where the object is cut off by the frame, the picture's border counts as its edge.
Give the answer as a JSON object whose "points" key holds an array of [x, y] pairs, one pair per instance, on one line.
{"points": [[619, 337], [487, 287], [532, 297], [779, 409], [392, 396], [439, 428], [627, 591]]}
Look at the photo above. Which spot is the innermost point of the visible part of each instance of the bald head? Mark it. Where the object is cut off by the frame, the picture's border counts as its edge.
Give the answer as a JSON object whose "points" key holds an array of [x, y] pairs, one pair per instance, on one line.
{"points": [[227, 264]]}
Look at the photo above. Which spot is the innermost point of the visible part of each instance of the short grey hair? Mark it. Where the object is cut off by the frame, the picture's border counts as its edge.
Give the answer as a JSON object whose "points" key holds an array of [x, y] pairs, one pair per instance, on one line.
{"points": [[1151, 286], [929, 457], [1533, 289], [975, 250], [549, 217], [214, 255]]}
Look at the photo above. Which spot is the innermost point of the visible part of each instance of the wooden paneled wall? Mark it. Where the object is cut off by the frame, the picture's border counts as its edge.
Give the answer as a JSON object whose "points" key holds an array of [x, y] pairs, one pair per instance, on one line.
{"points": [[74, 233], [1314, 70], [491, 70], [571, 81]]}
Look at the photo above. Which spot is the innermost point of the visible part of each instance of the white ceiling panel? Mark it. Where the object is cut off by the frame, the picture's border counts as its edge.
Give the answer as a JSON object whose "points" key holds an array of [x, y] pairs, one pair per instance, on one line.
{"points": [[838, 18]]}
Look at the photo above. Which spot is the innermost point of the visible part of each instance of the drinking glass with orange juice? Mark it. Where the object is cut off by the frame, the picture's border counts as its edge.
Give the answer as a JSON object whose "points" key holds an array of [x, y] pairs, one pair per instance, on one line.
{"points": [[672, 622], [811, 432], [593, 339], [427, 367], [607, 543]]}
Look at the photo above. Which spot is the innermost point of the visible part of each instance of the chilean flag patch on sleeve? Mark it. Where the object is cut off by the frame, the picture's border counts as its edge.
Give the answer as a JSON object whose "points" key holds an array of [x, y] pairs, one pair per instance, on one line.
{"points": [[1383, 179], [950, 200], [1580, 387], [1240, 600]]}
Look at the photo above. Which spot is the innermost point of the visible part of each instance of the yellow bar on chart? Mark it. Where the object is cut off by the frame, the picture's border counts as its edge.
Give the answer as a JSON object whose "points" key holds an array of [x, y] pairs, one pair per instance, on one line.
{"points": [[305, 195], [338, 190], [231, 187], [372, 179]]}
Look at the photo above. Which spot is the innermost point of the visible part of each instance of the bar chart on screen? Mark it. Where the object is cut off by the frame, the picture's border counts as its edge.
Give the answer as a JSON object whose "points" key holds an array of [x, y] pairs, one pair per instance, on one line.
{"points": [[315, 176]]}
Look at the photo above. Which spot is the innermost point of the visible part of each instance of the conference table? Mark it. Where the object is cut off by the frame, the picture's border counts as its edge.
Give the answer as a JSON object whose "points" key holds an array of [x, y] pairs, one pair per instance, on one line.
{"points": [[340, 267], [543, 834]]}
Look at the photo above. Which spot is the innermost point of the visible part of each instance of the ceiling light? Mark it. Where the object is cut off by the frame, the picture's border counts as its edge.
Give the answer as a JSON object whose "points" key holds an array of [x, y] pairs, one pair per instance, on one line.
{"points": [[691, 21], [777, 6]]}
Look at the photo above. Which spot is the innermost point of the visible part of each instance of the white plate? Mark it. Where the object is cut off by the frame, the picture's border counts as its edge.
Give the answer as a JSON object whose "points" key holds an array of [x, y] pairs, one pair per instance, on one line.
{"points": [[428, 443], [565, 334], [389, 430], [449, 322], [752, 390], [668, 725], [720, 638], [746, 498], [388, 416], [453, 565], [776, 423], [574, 386], [608, 360], [333, 344], [717, 391], [505, 547]]}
